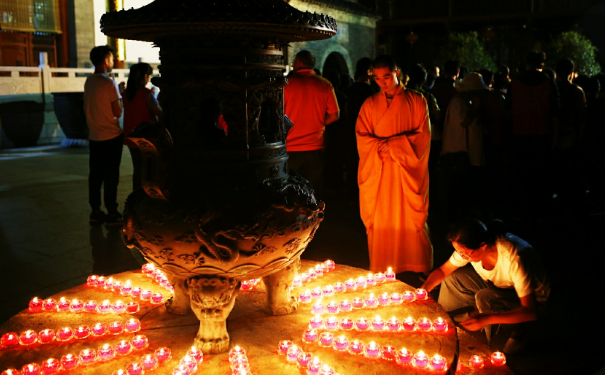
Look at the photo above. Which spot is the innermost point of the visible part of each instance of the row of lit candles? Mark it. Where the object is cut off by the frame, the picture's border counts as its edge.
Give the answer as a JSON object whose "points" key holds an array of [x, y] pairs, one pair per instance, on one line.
{"points": [[238, 360], [86, 357], [375, 324], [305, 360], [125, 289], [357, 303], [63, 305], [158, 276], [349, 285], [313, 273], [65, 334], [186, 366], [249, 285]]}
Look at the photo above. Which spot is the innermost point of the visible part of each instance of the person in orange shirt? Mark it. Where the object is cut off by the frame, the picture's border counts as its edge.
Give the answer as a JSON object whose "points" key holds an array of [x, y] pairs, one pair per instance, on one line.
{"points": [[393, 140], [310, 103]]}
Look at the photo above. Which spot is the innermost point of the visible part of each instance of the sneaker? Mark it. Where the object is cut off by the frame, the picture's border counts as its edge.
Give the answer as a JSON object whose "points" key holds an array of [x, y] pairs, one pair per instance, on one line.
{"points": [[114, 219], [515, 345], [97, 217]]}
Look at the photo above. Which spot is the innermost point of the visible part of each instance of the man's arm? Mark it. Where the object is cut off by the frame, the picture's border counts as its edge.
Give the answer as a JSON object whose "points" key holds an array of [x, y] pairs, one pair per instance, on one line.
{"points": [[332, 117], [525, 313], [116, 108], [438, 275]]}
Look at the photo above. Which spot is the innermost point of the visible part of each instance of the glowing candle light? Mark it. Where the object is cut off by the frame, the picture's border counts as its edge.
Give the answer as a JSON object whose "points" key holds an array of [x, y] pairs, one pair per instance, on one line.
{"points": [[50, 366], [345, 305], [99, 329], [92, 281], [188, 361], [87, 357], [326, 370], [498, 359], [292, 353], [328, 291], [149, 362], [134, 368], [356, 347], [347, 324], [330, 265], [396, 298], [404, 357], [123, 347], [439, 325], [163, 354], [421, 360], [378, 323], [341, 343], [305, 297], [371, 301], [313, 366], [409, 324], [132, 307], [196, 354], [372, 350], [69, 361], [424, 324], [310, 335], [326, 339], [30, 369], [316, 293], [135, 292], [312, 274], [146, 294], [238, 350], [316, 322], [319, 270], [331, 323], [64, 334], [76, 306], [350, 285], [332, 307], [238, 360], [126, 289], [240, 369], [118, 307], [304, 277], [139, 342], [283, 346], [9, 339], [49, 304], [28, 337], [82, 332], [438, 363], [475, 362], [339, 287], [105, 307], [157, 298], [46, 336], [318, 307], [101, 281], [370, 280], [389, 275], [421, 294], [35, 305], [106, 353], [380, 277], [362, 324], [10, 371], [361, 282], [384, 299], [148, 268], [297, 282], [358, 303], [393, 324], [117, 286], [408, 296], [119, 372], [388, 352], [115, 328], [108, 283], [90, 306], [245, 286], [63, 305], [304, 358], [133, 325]]}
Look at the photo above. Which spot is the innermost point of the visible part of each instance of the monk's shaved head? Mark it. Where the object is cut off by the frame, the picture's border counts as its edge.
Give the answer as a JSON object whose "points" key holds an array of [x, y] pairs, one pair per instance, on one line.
{"points": [[385, 61]]}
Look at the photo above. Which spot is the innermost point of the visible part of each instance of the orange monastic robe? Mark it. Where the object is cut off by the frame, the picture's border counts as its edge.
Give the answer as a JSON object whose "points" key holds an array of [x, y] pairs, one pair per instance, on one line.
{"points": [[394, 196]]}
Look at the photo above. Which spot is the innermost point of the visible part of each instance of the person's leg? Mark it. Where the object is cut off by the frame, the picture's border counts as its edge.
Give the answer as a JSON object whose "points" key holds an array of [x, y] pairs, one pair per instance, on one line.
{"points": [[457, 292], [95, 175], [135, 154], [495, 300], [314, 171], [112, 173]]}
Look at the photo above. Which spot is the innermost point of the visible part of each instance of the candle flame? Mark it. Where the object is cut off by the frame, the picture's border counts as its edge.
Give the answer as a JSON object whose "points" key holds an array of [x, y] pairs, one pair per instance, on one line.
{"points": [[421, 353], [390, 270]]}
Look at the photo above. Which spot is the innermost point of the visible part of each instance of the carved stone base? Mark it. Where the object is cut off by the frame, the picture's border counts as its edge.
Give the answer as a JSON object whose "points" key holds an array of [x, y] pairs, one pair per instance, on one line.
{"points": [[180, 302], [278, 284]]}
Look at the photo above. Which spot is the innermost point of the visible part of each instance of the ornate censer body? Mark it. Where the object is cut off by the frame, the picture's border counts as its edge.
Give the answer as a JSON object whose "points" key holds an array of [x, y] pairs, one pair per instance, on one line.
{"points": [[216, 209]]}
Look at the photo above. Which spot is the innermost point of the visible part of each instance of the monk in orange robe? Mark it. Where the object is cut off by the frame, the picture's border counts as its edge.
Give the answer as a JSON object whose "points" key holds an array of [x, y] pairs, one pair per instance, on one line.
{"points": [[393, 140]]}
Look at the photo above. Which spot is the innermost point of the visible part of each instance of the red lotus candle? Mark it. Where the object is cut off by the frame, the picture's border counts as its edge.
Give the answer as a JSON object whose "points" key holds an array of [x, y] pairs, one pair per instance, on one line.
{"points": [[35, 305], [313, 366], [88, 357], [69, 362], [106, 353], [388, 352], [393, 324], [358, 303], [345, 305], [350, 285], [361, 282], [380, 277], [184, 370], [49, 304], [10, 371], [132, 307], [330, 265], [384, 299], [332, 323], [439, 325], [396, 298], [9, 339], [157, 298], [148, 268], [305, 297], [245, 286], [99, 329], [139, 342], [421, 360], [421, 294], [189, 362], [292, 353], [371, 301], [28, 337], [134, 368], [332, 307], [498, 359], [282, 347], [149, 362], [132, 325], [117, 286], [346, 324], [126, 288], [92, 281], [146, 294], [318, 308], [317, 293], [326, 339], [297, 282], [310, 335], [105, 307], [135, 292], [424, 324], [409, 324], [316, 321], [109, 283], [196, 354], [339, 287], [372, 350], [389, 275], [370, 280], [303, 359], [475, 362], [119, 372], [115, 328], [163, 354], [328, 291], [76, 306], [404, 357], [101, 281], [326, 370], [312, 274], [30, 369], [341, 343], [320, 269], [123, 347], [50, 366], [82, 332], [46, 336], [91, 306], [362, 324], [356, 347], [438, 363], [304, 277], [118, 307], [378, 323], [408, 296], [64, 334]]}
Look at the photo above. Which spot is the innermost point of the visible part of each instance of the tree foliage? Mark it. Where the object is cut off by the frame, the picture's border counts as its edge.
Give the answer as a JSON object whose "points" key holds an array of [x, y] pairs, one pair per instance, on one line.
{"points": [[466, 48], [577, 47]]}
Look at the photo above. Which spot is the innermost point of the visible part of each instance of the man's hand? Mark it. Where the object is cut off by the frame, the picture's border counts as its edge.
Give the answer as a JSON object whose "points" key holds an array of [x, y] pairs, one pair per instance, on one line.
{"points": [[383, 150], [475, 322], [122, 87]]}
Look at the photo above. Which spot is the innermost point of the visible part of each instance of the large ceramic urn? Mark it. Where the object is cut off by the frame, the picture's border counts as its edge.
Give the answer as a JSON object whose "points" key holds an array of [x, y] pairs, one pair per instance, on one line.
{"points": [[218, 206]]}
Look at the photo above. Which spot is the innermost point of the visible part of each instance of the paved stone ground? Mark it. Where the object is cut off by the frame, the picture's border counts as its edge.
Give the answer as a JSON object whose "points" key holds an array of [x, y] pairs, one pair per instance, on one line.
{"points": [[47, 246]]}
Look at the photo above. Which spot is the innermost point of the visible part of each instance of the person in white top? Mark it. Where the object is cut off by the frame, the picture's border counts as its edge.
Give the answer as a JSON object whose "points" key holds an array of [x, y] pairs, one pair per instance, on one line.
{"points": [[103, 108], [506, 284]]}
